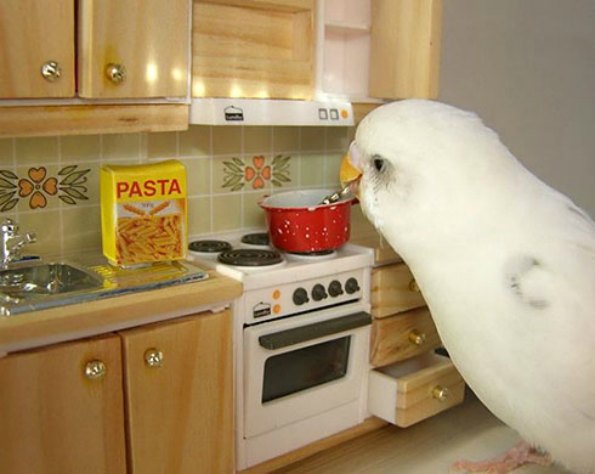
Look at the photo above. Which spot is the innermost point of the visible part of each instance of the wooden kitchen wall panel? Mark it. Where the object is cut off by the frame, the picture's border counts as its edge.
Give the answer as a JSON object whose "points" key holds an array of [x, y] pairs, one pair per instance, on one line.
{"points": [[91, 119], [405, 48], [180, 414], [33, 33], [394, 290], [402, 336], [149, 38], [54, 419], [252, 52]]}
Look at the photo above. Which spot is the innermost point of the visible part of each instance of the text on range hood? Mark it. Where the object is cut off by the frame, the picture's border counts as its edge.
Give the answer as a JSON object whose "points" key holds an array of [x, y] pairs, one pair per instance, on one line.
{"points": [[224, 111]]}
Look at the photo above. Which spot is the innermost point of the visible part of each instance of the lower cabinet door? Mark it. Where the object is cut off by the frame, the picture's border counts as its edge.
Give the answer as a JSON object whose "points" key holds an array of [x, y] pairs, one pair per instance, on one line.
{"points": [[179, 385], [413, 390], [61, 409]]}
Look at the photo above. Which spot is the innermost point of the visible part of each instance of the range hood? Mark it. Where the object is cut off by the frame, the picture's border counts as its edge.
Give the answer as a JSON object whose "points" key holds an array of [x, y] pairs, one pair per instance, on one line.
{"points": [[224, 111]]}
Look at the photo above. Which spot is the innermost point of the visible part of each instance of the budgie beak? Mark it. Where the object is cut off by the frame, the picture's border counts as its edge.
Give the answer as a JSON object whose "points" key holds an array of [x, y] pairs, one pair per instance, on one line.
{"points": [[350, 172]]}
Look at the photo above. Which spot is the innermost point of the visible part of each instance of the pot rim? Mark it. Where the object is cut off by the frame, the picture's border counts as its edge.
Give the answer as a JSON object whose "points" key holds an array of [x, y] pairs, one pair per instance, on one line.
{"points": [[324, 192]]}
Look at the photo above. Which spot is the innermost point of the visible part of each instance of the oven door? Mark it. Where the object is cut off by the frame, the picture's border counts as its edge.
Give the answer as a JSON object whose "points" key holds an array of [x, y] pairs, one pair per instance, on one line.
{"points": [[298, 367]]}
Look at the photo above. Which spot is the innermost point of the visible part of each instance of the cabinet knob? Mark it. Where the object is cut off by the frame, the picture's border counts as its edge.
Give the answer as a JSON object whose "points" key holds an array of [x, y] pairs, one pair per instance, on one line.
{"points": [[95, 370], [440, 393], [116, 73], [417, 337], [154, 358], [51, 71]]}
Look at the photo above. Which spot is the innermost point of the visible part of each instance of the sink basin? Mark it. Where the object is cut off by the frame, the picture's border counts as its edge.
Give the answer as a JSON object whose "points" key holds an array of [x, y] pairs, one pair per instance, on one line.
{"points": [[52, 278], [35, 285]]}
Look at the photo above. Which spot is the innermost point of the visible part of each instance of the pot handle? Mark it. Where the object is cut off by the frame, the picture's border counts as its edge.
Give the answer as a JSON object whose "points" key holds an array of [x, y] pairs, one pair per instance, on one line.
{"points": [[262, 198]]}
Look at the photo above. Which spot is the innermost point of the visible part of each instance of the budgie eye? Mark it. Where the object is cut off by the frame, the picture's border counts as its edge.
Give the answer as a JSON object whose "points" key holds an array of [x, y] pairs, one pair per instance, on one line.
{"points": [[379, 163]]}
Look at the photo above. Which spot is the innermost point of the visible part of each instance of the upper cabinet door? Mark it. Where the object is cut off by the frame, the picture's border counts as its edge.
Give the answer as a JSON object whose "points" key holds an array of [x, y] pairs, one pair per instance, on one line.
{"points": [[405, 48], [133, 48], [37, 49]]}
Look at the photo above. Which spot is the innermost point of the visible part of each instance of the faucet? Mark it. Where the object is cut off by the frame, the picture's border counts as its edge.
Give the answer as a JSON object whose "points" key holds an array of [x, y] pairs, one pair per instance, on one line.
{"points": [[11, 242]]}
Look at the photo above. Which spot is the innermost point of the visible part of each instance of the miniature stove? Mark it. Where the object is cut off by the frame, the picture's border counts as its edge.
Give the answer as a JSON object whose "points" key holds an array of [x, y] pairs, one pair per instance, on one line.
{"points": [[302, 329]]}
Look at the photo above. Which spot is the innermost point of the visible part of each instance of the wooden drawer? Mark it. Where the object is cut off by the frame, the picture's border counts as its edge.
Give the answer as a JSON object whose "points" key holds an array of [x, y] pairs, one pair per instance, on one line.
{"points": [[402, 336], [411, 391], [394, 290]]}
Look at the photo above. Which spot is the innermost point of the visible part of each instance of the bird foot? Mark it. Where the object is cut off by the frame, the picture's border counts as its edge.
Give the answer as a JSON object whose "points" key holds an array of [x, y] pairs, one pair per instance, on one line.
{"points": [[522, 453]]}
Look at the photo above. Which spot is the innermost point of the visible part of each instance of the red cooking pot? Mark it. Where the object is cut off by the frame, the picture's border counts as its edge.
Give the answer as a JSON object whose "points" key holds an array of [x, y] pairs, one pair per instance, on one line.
{"points": [[298, 223]]}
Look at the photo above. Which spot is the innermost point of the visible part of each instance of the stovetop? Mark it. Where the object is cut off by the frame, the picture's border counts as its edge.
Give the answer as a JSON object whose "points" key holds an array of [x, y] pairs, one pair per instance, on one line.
{"points": [[246, 256]]}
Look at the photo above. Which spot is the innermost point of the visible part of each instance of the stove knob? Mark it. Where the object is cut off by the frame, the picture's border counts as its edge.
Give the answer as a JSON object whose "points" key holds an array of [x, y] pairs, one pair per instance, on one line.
{"points": [[334, 289], [319, 292], [300, 296], [351, 286]]}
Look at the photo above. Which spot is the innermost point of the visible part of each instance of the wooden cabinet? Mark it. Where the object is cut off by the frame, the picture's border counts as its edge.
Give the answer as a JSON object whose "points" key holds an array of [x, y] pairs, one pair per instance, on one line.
{"points": [[34, 48], [379, 49], [179, 387], [356, 50], [156, 398], [61, 409], [253, 48], [133, 48], [126, 49], [410, 382], [86, 50]]}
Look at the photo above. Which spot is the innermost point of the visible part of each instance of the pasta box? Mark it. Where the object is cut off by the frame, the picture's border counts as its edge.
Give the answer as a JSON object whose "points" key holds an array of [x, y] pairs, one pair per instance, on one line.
{"points": [[143, 212]]}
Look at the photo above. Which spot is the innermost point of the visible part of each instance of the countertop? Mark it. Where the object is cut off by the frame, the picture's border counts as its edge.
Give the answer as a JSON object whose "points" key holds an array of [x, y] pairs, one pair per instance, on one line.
{"points": [[69, 322]]}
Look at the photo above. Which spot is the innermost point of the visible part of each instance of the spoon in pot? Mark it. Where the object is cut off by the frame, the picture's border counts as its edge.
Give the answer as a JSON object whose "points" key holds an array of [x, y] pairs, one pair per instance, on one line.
{"points": [[336, 196]]}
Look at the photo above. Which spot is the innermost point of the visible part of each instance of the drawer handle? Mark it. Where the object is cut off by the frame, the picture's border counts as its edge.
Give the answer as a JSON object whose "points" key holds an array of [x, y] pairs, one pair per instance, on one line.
{"points": [[417, 337], [414, 287], [440, 393], [95, 370], [154, 358]]}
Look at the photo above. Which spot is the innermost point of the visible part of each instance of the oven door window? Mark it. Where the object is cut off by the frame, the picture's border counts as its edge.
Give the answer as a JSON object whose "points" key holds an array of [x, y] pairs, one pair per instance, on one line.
{"points": [[298, 370]]}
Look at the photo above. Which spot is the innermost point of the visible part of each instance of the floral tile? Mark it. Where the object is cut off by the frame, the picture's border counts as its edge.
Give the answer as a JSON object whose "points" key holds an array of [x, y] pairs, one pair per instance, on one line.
{"points": [[256, 173], [36, 187]]}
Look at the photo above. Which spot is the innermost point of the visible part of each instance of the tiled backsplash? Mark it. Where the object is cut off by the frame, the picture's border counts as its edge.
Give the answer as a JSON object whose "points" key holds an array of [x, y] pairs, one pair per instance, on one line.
{"points": [[50, 185]]}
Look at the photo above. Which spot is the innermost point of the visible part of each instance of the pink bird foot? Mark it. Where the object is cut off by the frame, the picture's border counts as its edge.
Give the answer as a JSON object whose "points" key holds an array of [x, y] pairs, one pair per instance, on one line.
{"points": [[522, 453]]}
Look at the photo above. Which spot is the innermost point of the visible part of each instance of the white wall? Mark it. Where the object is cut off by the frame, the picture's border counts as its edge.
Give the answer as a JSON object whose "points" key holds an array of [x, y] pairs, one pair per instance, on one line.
{"points": [[527, 67]]}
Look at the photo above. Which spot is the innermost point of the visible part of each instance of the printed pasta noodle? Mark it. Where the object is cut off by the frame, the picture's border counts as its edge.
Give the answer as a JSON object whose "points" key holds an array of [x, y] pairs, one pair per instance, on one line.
{"points": [[143, 213]]}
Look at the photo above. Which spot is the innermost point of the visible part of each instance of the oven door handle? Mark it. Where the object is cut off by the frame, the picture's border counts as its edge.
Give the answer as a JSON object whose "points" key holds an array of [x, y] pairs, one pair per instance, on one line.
{"points": [[290, 337]]}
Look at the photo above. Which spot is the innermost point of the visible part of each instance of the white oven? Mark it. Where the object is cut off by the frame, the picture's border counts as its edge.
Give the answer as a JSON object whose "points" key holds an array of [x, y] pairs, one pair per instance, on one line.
{"points": [[300, 367]]}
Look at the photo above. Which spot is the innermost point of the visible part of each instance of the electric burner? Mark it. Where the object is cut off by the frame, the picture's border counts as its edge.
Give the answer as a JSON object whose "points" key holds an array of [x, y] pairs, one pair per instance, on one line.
{"points": [[256, 238], [250, 257], [209, 246]]}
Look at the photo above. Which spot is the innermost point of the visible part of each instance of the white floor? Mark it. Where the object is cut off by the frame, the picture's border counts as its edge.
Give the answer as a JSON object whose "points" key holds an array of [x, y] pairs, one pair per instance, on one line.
{"points": [[465, 432]]}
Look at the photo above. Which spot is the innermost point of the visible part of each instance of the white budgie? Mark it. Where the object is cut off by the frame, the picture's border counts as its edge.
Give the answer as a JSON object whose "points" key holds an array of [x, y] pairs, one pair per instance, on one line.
{"points": [[506, 265]]}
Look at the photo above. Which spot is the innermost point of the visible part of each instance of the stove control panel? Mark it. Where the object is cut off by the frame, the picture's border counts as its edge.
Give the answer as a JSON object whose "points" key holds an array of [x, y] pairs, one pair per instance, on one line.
{"points": [[304, 296]]}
